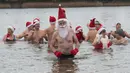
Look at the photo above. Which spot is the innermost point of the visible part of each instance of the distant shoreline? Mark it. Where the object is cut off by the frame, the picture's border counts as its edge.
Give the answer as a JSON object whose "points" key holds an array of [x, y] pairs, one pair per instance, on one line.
{"points": [[64, 4]]}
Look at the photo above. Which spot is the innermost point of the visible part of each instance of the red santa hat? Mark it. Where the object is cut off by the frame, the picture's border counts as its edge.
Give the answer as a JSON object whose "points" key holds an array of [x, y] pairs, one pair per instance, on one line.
{"points": [[36, 21], [52, 20], [61, 14], [12, 28], [63, 10], [78, 28], [92, 24], [28, 24]]}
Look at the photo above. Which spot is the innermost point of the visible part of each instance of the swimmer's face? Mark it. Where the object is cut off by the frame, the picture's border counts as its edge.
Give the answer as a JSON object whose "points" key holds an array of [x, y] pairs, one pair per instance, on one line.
{"points": [[118, 25], [97, 26], [103, 32], [80, 30], [53, 24], [10, 31], [31, 27], [37, 26], [62, 24]]}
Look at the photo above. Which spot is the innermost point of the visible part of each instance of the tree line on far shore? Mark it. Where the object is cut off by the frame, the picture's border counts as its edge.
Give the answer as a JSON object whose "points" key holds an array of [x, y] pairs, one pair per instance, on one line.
{"points": [[64, 0]]}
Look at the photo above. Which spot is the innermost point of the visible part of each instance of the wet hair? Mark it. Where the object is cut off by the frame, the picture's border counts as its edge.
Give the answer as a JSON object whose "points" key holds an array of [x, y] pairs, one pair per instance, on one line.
{"points": [[118, 24], [120, 32], [103, 31]]}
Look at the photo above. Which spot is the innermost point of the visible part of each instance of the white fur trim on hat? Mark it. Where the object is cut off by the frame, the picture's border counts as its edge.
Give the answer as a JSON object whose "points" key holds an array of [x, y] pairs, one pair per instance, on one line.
{"points": [[79, 28], [91, 27], [36, 22], [64, 19], [100, 30], [52, 22], [30, 25], [12, 28]]}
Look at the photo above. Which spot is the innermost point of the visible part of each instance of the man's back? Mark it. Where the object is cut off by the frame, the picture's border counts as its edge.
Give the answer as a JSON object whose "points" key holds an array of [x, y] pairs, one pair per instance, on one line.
{"points": [[91, 35]]}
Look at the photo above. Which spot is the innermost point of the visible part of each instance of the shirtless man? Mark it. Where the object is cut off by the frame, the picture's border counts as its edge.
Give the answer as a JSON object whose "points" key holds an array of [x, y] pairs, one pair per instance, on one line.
{"points": [[119, 40], [65, 37], [79, 34], [24, 34], [37, 35], [92, 32], [118, 26], [51, 29]]}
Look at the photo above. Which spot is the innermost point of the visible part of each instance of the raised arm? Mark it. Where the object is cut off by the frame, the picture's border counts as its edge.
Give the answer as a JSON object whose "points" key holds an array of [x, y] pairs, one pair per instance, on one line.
{"points": [[20, 35], [127, 35]]}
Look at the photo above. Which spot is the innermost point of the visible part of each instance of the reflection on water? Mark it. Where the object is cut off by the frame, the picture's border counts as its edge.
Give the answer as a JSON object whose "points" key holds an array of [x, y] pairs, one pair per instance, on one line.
{"points": [[64, 66]]}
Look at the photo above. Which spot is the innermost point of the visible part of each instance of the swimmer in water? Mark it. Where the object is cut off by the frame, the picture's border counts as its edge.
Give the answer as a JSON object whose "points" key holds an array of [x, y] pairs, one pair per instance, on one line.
{"points": [[92, 31], [10, 36], [101, 41], [37, 35], [51, 29], [65, 37], [118, 26], [119, 38], [29, 26], [79, 34]]}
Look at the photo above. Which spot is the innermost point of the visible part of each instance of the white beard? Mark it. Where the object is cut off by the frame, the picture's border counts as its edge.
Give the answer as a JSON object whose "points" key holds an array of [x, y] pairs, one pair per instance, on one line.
{"points": [[63, 32]]}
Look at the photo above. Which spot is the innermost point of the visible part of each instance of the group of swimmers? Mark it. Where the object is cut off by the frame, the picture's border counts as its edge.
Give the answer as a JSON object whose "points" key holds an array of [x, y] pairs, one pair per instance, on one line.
{"points": [[61, 37]]}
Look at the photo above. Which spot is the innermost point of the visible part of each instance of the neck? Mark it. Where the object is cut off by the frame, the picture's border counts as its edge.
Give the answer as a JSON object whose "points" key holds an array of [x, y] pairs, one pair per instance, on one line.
{"points": [[52, 26], [91, 29]]}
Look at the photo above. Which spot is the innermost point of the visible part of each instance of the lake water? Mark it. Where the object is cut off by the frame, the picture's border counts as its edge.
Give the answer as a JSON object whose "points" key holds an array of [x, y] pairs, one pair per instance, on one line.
{"points": [[22, 57]]}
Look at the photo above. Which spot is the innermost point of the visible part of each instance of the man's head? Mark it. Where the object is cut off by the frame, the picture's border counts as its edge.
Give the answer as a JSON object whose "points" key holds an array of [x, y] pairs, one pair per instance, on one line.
{"points": [[97, 24], [36, 23], [63, 28], [118, 26], [78, 29], [52, 20], [102, 31], [119, 33], [29, 25], [10, 29]]}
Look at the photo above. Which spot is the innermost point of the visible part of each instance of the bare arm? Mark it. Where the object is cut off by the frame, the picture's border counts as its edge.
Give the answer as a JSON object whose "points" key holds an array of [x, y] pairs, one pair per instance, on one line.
{"points": [[127, 35], [53, 42], [4, 38], [87, 37], [20, 35], [120, 42], [76, 41], [95, 41]]}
